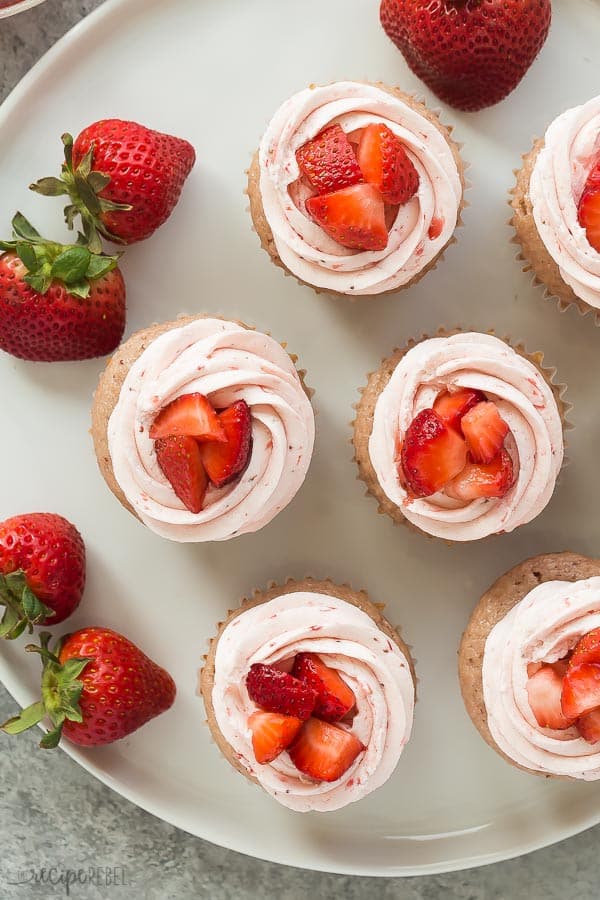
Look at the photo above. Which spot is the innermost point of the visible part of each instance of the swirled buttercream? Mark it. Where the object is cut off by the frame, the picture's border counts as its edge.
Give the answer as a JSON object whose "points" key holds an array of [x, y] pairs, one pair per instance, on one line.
{"points": [[225, 362]]}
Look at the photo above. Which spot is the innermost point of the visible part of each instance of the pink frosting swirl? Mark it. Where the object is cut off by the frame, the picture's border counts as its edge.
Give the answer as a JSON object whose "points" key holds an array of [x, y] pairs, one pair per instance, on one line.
{"points": [[302, 245], [225, 362]]}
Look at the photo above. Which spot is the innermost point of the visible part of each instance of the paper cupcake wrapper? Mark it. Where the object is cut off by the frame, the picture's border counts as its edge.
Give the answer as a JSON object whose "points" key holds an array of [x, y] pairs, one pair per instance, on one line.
{"points": [[261, 227], [376, 381], [539, 264]]}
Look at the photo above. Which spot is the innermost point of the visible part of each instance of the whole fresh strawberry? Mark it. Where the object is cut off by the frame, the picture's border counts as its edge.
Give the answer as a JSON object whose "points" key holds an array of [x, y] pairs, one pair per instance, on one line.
{"points": [[58, 302], [471, 53], [123, 179], [97, 687], [42, 571]]}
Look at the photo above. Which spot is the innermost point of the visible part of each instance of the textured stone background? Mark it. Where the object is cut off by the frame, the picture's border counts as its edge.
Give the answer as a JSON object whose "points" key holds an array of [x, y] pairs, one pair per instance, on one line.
{"points": [[55, 814]]}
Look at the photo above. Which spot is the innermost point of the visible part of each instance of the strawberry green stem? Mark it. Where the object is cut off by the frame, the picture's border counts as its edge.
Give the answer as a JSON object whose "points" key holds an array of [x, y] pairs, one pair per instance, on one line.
{"points": [[22, 608]]}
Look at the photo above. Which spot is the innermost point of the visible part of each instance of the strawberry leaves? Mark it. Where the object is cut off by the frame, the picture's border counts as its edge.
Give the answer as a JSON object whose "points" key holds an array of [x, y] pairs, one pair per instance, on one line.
{"points": [[22, 609]]}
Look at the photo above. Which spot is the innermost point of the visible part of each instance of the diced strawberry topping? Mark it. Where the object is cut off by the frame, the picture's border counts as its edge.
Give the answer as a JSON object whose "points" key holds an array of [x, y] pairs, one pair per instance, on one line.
{"points": [[272, 733], [479, 481], [587, 650], [328, 161], [436, 228], [544, 690], [225, 461], [191, 415], [179, 458], [581, 690], [589, 207], [452, 406], [279, 692], [354, 217], [334, 698], [484, 430], [432, 454], [324, 751], [385, 165], [589, 726]]}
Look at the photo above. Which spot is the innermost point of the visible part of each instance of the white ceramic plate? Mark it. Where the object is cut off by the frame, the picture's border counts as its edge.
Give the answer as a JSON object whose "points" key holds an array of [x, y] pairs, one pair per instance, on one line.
{"points": [[214, 71]]}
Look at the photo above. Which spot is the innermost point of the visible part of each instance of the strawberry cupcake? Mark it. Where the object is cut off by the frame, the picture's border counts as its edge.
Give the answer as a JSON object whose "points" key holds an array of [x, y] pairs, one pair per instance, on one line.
{"points": [[309, 693], [556, 205], [529, 666], [460, 436], [356, 189], [203, 428]]}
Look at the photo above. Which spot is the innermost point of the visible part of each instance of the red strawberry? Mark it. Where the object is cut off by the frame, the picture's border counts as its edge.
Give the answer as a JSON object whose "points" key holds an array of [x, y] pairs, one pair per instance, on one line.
{"points": [[477, 481], [484, 430], [334, 698], [278, 692], [225, 461], [324, 751], [328, 161], [587, 650], [181, 463], [432, 454], [385, 165], [58, 302], [272, 734], [42, 571], [544, 690], [354, 217], [451, 406], [191, 415], [589, 726], [471, 53], [97, 687], [589, 207], [122, 178], [581, 690]]}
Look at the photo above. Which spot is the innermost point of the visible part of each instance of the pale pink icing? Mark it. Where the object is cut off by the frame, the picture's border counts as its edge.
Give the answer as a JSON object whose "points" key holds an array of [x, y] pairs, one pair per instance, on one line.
{"points": [[346, 639], [571, 147], [226, 363], [543, 627], [526, 403], [303, 246]]}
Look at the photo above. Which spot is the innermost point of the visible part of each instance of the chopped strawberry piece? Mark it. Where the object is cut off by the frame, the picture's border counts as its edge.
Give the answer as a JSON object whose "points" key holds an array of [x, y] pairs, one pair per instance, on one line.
{"points": [[225, 461], [385, 165], [544, 690], [278, 692], [334, 698], [587, 650], [589, 208], [581, 690], [328, 161], [191, 415], [479, 481], [324, 751], [589, 726], [484, 430], [272, 733], [354, 217], [432, 454], [452, 406], [179, 458], [436, 228]]}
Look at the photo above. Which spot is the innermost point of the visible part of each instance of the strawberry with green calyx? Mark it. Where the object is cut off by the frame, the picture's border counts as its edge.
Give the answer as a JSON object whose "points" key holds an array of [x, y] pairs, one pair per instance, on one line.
{"points": [[97, 687], [58, 302], [22, 609], [123, 180]]}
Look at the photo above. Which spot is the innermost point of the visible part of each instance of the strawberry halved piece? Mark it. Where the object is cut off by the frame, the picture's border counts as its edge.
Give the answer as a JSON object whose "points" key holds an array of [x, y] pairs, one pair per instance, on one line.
{"points": [[354, 217], [179, 458], [334, 698], [581, 690], [589, 208], [451, 406], [279, 692], [485, 431], [479, 481], [589, 726], [191, 415], [432, 454], [544, 689], [324, 751], [587, 650], [272, 733], [328, 161], [385, 165], [226, 461]]}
